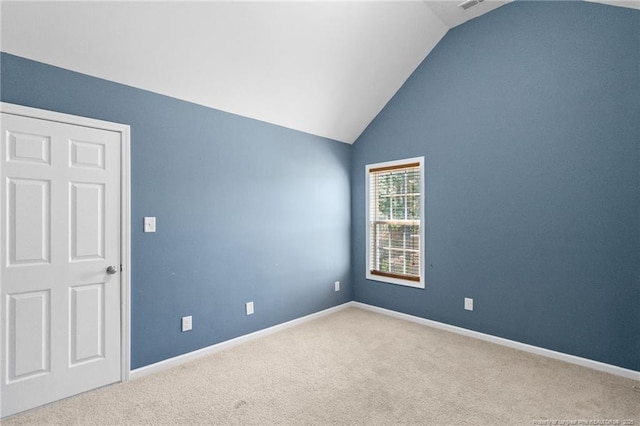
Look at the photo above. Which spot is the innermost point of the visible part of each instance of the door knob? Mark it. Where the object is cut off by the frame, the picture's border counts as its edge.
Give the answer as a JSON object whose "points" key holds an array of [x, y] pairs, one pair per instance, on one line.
{"points": [[111, 270]]}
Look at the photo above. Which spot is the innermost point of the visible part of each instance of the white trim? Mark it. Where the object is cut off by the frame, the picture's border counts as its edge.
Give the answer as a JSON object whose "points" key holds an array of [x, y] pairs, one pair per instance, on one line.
{"points": [[181, 359], [125, 209], [392, 280], [125, 254], [572, 359]]}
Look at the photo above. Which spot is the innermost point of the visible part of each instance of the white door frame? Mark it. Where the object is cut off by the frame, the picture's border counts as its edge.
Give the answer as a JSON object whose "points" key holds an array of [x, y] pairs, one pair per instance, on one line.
{"points": [[125, 215]]}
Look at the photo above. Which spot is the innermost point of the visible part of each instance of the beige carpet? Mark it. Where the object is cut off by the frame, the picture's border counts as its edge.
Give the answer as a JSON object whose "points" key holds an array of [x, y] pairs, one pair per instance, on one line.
{"points": [[358, 367]]}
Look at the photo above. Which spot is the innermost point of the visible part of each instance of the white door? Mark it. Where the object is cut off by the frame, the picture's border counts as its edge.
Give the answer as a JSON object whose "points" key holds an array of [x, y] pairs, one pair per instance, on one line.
{"points": [[60, 219]]}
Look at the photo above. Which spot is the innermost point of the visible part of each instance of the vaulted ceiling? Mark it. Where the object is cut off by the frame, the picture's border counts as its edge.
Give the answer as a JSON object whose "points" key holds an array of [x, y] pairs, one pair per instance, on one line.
{"points": [[321, 67]]}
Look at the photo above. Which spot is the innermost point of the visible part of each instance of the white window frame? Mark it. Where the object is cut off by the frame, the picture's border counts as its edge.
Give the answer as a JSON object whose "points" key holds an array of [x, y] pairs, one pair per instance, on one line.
{"points": [[382, 278]]}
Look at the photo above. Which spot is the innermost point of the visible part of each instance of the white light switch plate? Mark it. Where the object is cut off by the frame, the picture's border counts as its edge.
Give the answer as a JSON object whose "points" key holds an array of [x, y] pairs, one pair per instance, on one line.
{"points": [[249, 308], [149, 224]]}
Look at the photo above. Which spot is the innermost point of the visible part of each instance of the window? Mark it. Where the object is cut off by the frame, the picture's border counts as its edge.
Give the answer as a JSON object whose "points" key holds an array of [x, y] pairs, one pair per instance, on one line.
{"points": [[394, 222]]}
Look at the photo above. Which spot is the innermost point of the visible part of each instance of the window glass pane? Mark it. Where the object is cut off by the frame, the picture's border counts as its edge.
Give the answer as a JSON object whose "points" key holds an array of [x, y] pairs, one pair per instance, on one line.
{"points": [[413, 264], [396, 239], [414, 237], [396, 248], [397, 207], [394, 215], [384, 208], [397, 264], [413, 207], [384, 260]]}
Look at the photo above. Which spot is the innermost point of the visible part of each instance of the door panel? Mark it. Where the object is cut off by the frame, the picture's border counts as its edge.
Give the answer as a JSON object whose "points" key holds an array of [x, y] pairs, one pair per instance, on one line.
{"points": [[87, 221], [61, 217], [28, 148], [87, 154], [29, 205], [29, 322], [87, 323]]}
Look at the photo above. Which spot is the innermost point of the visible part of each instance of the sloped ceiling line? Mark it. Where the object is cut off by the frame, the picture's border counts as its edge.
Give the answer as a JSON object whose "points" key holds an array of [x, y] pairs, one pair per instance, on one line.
{"points": [[325, 68]]}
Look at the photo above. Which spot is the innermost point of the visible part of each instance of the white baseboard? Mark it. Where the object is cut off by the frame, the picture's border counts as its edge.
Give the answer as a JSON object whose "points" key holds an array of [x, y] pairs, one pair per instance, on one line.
{"points": [[584, 362], [181, 359]]}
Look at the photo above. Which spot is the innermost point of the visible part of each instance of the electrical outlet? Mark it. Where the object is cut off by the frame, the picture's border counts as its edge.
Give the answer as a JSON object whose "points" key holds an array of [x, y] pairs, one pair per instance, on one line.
{"points": [[337, 285], [187, 323], [468, 303], [149, 224], [249, 308]]}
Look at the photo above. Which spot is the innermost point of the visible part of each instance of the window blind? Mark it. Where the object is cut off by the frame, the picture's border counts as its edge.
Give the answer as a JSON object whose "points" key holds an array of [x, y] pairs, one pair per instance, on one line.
{"points": [[394, 215]]}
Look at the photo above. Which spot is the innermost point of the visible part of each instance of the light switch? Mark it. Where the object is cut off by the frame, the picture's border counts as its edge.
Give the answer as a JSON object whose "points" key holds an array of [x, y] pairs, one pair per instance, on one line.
{"points": [[149, 224]]}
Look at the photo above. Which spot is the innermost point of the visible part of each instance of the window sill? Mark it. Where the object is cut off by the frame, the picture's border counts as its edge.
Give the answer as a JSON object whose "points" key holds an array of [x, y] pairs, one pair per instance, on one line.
{"points": [[396, 281]]}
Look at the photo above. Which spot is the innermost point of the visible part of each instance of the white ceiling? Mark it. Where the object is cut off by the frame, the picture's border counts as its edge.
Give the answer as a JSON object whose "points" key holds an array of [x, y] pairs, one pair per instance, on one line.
{"points": [[322, 67]]}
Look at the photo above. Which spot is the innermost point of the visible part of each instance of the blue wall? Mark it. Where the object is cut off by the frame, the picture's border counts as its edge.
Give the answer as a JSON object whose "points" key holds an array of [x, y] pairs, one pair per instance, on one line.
{"points": [[529, 119], [246, 211]]}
